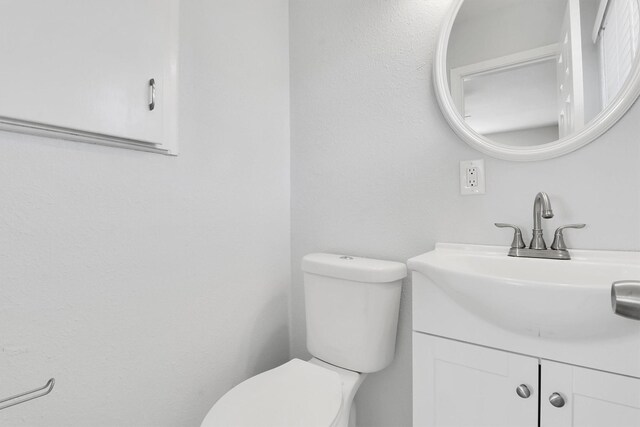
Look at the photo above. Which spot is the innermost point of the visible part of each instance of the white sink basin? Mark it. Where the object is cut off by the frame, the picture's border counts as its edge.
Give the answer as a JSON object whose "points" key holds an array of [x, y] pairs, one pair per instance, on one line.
{"points": [[550, 298]]}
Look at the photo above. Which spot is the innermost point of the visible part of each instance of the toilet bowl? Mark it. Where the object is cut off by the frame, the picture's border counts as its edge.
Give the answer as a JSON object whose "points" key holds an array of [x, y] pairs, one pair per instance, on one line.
{"points": [[298, 393], [352, 316]]}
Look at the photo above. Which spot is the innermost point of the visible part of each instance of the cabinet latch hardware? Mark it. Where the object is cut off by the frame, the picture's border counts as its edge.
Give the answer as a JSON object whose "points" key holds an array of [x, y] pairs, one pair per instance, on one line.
{"points": [[152, 94]]}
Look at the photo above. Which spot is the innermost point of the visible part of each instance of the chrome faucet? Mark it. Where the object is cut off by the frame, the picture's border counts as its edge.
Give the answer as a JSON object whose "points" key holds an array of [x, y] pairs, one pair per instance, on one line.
{"points": [[538, 248], [541, 209]]}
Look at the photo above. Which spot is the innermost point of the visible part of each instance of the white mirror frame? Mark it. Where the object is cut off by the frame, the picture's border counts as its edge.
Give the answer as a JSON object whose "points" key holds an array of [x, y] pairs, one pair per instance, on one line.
{"points": [[596, 127]]}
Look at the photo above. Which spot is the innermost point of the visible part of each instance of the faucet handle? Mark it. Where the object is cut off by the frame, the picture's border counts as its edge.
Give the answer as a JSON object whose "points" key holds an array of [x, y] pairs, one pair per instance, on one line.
{"points": [[517, 242], [558, 238]]}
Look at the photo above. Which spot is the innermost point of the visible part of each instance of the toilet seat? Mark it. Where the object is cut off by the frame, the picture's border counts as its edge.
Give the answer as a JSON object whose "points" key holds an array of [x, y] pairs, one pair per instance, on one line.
{"points": [[296, 394]]}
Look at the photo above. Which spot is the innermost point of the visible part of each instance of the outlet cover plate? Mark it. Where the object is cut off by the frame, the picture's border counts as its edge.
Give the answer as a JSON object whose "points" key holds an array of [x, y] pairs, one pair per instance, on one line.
{"points": [[472, 177]]}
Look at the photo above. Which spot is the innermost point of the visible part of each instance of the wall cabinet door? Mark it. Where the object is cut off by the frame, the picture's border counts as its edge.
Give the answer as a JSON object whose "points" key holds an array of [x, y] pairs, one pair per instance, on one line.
{"points": [[464, 385], [591, 398], [84, 67]]}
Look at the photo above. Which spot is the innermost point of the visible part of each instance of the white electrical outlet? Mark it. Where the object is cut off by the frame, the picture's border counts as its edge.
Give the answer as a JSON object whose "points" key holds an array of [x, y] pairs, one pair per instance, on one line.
{"points": [[472, 177]]}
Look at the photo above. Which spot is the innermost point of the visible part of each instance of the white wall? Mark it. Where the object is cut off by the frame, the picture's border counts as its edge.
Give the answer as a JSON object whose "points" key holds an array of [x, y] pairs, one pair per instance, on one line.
{"points": [[150, 285], [375, 166]]}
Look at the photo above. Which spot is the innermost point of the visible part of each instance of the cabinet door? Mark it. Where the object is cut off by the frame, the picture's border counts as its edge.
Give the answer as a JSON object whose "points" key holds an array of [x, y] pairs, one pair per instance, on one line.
{"points": [[85, 65], [591, 398], [464, 385]]}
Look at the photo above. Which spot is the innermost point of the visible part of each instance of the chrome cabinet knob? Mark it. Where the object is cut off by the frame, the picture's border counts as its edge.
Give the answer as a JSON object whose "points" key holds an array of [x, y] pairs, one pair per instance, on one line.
{"points": [[556, 400], [523, 391]]}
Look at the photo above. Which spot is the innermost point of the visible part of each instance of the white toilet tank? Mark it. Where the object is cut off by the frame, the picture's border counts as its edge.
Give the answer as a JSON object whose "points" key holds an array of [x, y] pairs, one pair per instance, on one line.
{"points": [[352, 309]]}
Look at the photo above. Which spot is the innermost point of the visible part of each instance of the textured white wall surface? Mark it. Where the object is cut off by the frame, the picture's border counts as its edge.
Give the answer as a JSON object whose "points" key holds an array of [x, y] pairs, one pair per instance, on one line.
{"points": [[375, 166], [150, 285]]}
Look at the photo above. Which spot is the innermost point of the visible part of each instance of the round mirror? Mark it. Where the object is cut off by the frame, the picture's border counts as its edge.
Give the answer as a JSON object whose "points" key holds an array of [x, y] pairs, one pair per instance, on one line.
{"points": [[532, 80]]}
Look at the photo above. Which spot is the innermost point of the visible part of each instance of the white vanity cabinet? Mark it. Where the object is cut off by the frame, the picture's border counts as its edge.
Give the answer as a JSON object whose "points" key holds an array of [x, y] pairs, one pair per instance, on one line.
{"points": [[97, 71], [498, 340], [465, 385]]}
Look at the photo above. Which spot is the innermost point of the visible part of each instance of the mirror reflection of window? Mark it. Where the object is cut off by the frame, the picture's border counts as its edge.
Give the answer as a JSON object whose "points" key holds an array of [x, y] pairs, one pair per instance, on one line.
{"points": [[525, 72], [616, 35]]}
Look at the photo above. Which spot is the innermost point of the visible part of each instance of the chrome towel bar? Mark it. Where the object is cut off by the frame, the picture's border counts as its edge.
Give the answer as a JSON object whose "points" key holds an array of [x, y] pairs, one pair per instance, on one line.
{"points": [[27, 396]]}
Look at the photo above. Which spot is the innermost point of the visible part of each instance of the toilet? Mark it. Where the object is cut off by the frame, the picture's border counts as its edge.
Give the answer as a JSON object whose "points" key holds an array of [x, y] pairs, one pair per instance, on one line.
{"points": [[352, 317]]}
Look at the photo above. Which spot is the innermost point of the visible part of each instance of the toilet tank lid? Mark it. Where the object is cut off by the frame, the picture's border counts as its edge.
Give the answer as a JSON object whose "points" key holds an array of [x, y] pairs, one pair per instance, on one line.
{"points": [[354, 268]]}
